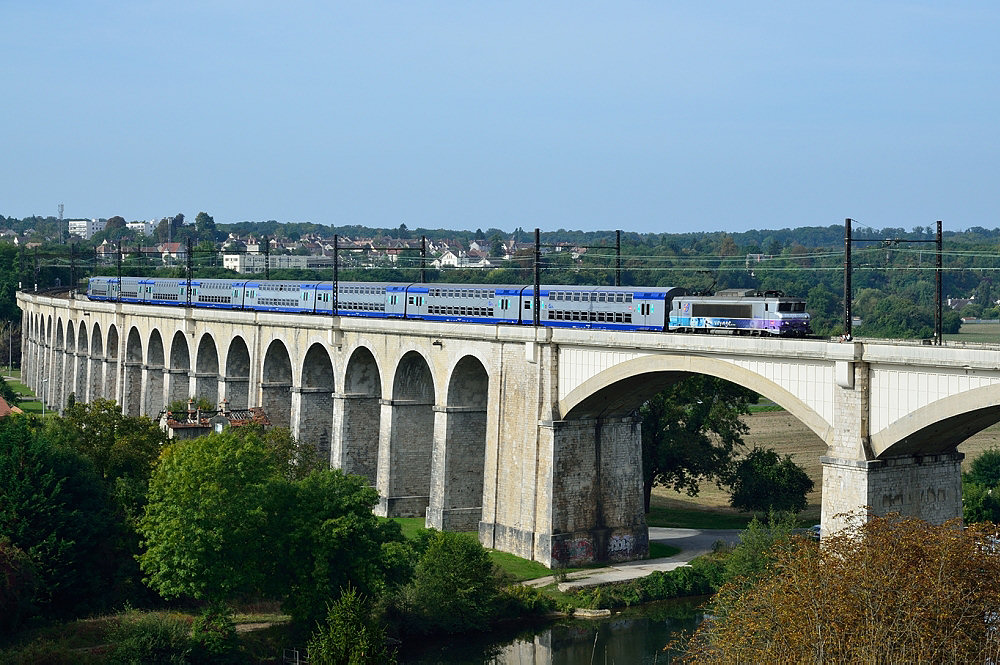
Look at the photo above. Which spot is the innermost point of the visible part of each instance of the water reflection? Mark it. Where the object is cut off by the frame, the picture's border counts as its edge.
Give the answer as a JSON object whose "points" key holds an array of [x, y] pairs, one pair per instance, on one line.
{"points": [[634, 637]]}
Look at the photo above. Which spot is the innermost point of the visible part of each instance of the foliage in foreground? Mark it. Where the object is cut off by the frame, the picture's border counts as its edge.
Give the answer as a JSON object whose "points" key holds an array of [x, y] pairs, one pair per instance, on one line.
{"points": [[349, 635], [55, 510], [227, 518], [891, 589]]}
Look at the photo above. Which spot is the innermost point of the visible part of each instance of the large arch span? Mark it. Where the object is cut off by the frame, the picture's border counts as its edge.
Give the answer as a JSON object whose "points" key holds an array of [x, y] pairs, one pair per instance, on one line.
{"points": [[621, 389]]}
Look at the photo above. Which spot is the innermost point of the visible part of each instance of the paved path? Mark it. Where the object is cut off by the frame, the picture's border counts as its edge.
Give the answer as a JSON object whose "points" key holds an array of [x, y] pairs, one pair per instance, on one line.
{"points": [[692, 543]]}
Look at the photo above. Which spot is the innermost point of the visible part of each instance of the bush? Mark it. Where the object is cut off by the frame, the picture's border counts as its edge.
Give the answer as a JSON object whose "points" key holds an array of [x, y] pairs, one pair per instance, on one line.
{"points": [[518, 600], [149, 639], [213, 637], [17, 586], [890, 589], [454, 588], [349, 636], [700, 578]]}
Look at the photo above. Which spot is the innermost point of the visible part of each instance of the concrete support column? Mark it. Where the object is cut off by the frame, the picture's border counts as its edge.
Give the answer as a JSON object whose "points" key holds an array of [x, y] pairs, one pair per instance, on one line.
{"points": [[589, 499], [928, 487], [406, 441], [96, 381], [54, 385], [456, 501], [236, 389], [80, 388], [112, 380], [355, 441]]}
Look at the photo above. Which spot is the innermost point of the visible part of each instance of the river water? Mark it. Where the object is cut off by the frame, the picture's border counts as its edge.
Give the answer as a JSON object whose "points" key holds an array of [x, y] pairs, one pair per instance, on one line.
{"points": [[632, 637]]}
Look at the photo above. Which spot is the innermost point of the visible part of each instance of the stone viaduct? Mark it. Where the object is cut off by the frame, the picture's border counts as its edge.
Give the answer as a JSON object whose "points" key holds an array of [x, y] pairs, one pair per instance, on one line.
{"points": [[525, 434]]}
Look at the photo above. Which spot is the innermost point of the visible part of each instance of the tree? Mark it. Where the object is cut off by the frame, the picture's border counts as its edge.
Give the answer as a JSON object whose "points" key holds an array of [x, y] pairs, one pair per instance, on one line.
{"points": [[53, 507], [454, 587], [331, 540], [227, 517], [764, 481], [122, 448], [349, 635], [689, 433], [17, 586], [890, 590], [204, 226], [985, 469], [207, 514]]}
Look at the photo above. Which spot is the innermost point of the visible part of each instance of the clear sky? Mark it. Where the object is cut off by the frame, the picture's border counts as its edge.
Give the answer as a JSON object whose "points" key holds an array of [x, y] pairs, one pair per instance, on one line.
{"points": [[645, 116]]}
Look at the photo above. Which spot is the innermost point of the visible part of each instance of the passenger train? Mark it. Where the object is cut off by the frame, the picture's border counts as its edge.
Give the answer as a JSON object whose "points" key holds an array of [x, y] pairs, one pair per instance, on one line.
{"points": [[737, 311]]}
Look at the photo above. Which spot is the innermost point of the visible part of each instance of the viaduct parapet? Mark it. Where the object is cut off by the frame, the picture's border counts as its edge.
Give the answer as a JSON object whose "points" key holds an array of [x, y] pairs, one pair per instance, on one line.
{"points": [[527, 435]]}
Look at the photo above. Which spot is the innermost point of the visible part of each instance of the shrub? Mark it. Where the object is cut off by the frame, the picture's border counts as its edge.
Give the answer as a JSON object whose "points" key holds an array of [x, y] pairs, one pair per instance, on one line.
{"points": [[349, 636], [150, 638], [454, 587], [889, 590], [17, 586], [213, 636]]}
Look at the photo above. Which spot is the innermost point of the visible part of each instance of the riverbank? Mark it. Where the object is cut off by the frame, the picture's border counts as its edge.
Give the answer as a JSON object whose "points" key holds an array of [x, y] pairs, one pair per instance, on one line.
{"points": [[691, 543]]}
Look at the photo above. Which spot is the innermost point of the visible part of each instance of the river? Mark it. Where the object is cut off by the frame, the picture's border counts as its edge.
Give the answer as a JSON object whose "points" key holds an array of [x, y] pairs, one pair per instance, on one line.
{"points": [[631, 637]]}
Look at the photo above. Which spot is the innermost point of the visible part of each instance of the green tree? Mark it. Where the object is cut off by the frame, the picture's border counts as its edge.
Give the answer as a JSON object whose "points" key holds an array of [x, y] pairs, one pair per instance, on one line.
{"points": [[204, 226], [764, 481], [54, 508], [122, 448], [690, 431], [17, 586], [227, 516], [332, 541], [208, 509], [985, 469], [980, 503], [350, 635], [753, 558], [454, 587]]}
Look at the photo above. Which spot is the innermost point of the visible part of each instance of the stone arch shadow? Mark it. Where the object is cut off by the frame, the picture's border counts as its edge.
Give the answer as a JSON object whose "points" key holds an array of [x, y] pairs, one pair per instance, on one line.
{"points": [[459, 457], [357, 414], [406, 440]]}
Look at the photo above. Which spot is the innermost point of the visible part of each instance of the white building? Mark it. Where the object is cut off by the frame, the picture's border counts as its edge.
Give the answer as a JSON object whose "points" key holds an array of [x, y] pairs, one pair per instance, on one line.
{"points": [[145, 228], [254, 263], [85, 228]]}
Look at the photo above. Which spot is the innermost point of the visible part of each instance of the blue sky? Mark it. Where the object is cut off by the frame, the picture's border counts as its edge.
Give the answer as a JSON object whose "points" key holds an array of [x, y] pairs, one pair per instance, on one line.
{"points": [[643, 116]]}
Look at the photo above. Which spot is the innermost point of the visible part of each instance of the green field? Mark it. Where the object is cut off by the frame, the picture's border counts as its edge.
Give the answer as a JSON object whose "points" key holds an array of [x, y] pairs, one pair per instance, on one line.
{"points": [[976, 332]]}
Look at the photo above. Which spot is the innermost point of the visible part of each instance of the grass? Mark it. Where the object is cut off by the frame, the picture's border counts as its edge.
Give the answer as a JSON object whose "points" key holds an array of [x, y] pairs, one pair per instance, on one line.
{"points": [[976, 332]]}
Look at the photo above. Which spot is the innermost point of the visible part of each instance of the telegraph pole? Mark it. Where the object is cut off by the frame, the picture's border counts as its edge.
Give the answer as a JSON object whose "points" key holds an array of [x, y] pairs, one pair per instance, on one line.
{"points": [[190, 268], [938, 320], [618, 257], [538, 287], [847, 278], [423, 259], [336, 273]]}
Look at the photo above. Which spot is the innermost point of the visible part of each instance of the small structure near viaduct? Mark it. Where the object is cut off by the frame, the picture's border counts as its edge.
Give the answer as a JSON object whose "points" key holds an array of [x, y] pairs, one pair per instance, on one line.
{"points": [[527, 435]]}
